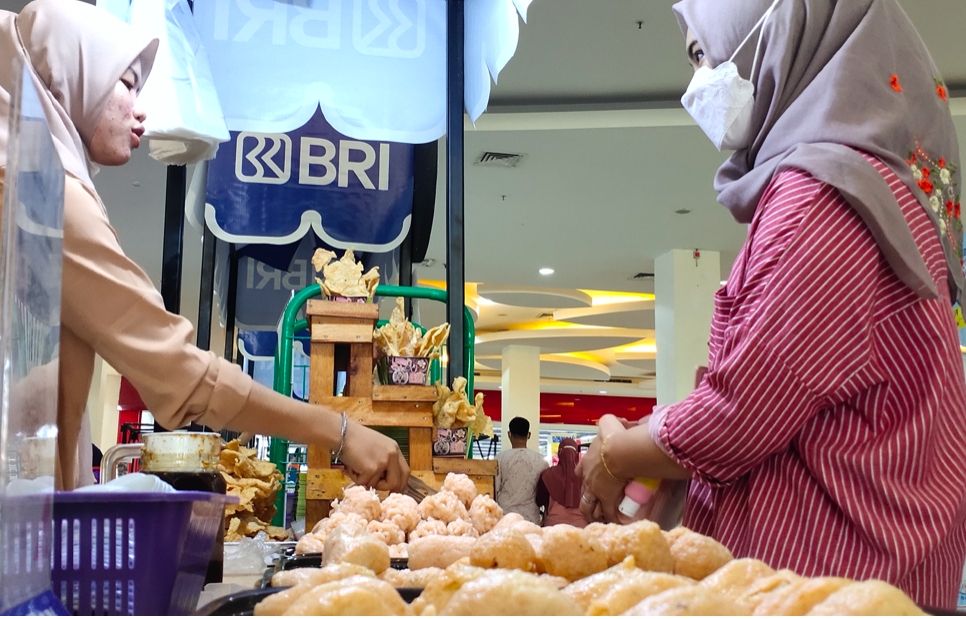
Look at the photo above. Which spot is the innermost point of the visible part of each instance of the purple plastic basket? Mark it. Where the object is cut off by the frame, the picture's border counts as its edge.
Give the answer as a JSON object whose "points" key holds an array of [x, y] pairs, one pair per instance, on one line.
{"points": [[133, 553]]}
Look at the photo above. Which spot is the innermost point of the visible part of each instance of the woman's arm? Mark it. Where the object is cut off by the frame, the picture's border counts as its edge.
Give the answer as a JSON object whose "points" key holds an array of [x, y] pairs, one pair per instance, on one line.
{"points": [[634, 453], [112, 305], [370, 458]]}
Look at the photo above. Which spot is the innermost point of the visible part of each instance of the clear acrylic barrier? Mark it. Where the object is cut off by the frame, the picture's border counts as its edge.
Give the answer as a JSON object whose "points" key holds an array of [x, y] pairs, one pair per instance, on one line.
{"points": [[31, 236]]}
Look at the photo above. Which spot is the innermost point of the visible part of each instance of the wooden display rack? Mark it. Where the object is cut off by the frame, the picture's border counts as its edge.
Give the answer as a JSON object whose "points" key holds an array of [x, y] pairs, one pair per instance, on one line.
{"points": [[334, 324]]}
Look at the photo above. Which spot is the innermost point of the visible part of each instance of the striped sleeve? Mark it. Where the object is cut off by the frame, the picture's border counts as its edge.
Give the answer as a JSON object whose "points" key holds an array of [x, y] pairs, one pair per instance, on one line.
{"points": [[799, 340]]}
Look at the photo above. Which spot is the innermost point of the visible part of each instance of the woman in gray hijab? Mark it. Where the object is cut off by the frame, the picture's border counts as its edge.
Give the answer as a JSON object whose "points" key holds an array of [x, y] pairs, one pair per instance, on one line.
{"points": [[827, 434]]}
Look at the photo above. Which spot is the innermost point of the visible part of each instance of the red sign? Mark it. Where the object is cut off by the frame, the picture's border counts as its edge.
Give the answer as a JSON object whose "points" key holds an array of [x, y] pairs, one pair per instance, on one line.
{"points": [[576, 409]]}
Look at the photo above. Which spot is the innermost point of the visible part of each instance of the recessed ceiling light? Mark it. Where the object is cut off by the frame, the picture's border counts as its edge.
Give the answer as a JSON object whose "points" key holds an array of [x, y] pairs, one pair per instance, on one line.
{"points": [[602, 392], [546, 271]]}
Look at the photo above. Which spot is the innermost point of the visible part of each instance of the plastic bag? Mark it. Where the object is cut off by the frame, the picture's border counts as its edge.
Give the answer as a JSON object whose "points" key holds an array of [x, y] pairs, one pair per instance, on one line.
{"points": [[250, 555], [184, 122], [132, 482]]}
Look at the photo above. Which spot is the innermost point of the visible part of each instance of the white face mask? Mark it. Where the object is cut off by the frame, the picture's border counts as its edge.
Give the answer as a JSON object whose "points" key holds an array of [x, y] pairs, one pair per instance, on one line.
{"points": [[721, 101]]}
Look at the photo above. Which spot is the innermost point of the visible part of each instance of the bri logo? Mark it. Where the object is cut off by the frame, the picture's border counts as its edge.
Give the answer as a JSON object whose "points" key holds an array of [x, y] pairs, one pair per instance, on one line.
{"points": [[391, 28], [269, 158]]}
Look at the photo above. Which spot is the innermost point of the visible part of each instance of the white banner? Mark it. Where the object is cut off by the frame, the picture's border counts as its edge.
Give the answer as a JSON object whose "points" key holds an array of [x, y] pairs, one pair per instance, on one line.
{"points": [[377, 68]]}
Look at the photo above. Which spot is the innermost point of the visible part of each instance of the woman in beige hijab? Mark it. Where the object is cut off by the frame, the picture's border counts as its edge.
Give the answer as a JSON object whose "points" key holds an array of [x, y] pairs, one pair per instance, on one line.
{"points": [[88, 68]]}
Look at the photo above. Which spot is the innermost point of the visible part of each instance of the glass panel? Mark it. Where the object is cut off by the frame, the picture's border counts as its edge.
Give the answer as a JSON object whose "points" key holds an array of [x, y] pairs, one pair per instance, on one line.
{"points": [[31, 233]]}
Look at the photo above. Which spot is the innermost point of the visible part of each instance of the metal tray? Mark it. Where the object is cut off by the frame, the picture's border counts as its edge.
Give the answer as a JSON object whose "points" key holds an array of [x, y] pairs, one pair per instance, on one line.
{"points": [[291, 562], [242, 604]]}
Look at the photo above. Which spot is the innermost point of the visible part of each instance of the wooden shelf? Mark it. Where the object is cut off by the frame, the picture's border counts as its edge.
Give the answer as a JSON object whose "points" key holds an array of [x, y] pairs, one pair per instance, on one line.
{"points": [[348, 327], [442, 466], [335, 309], [404, 393]]}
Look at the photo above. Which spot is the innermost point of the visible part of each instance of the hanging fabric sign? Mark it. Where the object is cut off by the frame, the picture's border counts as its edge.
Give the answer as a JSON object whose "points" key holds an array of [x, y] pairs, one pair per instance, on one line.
{"points": [[276, 187], [378, 67]]}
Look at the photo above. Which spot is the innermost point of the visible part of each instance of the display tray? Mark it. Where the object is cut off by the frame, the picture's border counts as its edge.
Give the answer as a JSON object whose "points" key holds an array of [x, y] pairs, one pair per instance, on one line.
{"points": [[291, 562], [315, 560], [242, 604]]}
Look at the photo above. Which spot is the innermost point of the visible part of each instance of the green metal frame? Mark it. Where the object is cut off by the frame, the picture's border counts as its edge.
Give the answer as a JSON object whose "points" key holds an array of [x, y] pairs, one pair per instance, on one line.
{"points": [[292, 324]]}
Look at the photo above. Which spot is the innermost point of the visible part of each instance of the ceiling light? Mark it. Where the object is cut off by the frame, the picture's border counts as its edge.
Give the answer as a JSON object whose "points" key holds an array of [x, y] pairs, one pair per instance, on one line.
{"points": [[602, 392], [546, 271], [683, 211]]}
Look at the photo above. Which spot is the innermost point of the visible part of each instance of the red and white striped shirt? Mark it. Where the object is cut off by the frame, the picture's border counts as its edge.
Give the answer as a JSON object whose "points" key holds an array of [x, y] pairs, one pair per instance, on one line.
{"points": [[829, 434]]}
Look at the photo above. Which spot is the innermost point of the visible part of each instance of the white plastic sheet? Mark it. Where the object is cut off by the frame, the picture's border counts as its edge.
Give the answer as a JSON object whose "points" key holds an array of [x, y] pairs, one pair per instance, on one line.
{"points": [[184, 122], [376, 67]]}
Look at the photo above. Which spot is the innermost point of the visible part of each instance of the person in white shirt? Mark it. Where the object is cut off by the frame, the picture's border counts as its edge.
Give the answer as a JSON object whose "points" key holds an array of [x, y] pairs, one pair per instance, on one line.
{"points": [[518, 472]]}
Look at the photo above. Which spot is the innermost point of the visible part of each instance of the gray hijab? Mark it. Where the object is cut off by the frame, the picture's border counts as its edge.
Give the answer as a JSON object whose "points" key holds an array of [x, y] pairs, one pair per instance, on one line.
{"points": [[839, 75]]}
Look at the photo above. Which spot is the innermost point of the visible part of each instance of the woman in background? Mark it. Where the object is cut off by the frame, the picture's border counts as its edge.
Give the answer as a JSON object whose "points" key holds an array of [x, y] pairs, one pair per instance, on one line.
{"points": [[559, 488]]}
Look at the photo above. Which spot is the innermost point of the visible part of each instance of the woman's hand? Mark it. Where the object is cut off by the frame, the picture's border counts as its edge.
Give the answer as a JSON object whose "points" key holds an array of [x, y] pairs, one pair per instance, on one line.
{"points": [[602, 491], [374, 460]]}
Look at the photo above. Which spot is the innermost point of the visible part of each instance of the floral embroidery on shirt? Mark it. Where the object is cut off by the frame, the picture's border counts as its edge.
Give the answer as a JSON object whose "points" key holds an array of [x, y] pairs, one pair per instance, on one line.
{"points": [[895, 83], [937, 179], [941, 91]]}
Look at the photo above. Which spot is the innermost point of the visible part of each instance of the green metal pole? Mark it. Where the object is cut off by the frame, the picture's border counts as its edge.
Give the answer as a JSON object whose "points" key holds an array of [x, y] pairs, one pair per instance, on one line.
{"points": [[278, 447]]}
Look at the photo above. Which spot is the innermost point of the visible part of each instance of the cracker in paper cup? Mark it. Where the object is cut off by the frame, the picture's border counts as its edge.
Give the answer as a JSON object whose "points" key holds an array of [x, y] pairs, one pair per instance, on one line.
{"points": [[398, 370]]}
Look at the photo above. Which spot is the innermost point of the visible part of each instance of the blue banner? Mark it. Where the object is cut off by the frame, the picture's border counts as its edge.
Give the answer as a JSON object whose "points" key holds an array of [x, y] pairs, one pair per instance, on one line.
{"points": [[274, 188]]}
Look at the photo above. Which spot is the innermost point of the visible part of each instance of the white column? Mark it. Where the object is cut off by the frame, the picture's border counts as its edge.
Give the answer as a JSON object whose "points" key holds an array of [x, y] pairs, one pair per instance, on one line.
{"points": [[521, 391], [102, 404], [684, 288]]}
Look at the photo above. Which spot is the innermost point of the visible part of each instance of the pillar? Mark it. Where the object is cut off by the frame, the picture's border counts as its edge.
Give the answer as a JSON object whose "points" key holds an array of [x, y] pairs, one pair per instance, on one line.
{"points": [[521, 391], [102, 404], [684, 287]]}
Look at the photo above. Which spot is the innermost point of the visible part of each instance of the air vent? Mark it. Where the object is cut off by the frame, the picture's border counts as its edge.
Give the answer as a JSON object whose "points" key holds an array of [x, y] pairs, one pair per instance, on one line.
{"points": [[490, 159]]}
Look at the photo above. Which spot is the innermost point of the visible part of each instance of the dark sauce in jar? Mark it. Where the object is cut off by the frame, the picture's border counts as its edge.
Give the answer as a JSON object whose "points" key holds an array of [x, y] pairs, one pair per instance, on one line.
{"points": [[203, 481]]}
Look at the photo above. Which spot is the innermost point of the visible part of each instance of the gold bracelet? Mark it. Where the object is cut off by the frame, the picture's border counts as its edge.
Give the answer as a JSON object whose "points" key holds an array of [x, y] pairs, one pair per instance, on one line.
{"points": [[603, 460]]}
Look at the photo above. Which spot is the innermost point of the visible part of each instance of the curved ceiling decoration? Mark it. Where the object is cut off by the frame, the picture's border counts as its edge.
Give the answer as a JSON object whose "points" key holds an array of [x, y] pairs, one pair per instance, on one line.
{"points": [[629, 315], [557, 339], [535, 297], [562, 366]]}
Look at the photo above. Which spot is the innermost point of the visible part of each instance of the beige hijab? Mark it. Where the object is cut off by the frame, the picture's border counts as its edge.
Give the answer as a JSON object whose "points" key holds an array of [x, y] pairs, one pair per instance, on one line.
{"points": [[75, 53]]}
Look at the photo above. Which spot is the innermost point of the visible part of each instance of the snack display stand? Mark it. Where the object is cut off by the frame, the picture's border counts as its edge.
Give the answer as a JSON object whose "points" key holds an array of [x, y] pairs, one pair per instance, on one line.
{"points": [[336, 324]]}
